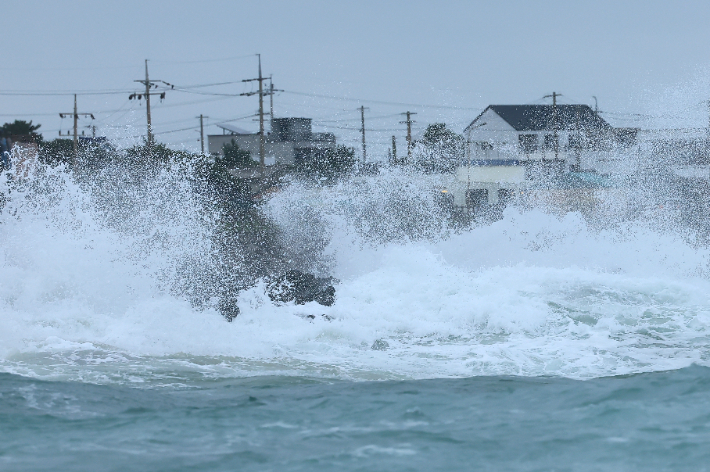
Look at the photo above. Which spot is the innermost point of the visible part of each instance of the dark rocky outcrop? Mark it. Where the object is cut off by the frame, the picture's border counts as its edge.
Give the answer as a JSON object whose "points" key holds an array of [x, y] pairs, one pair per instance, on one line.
{"points": [[300, 287], [228, 308], [248, 246]]}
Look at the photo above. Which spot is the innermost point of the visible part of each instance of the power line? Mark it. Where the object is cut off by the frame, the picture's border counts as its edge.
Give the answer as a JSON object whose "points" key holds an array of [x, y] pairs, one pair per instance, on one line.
{"points": [[202, 61], [176, 130], [67, 68], [27, 114], [214, 94], [347, 128], [392, 115], [189, 88], [183, 88], [185, 120], [166, 132], [419, 105], [194, 102], [236, 119], [113, 112], [59, 93], [44, 93]]}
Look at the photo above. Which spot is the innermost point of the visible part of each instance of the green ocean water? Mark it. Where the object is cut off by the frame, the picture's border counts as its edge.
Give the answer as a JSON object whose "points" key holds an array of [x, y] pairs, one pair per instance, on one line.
{"points": [[654, 421]]}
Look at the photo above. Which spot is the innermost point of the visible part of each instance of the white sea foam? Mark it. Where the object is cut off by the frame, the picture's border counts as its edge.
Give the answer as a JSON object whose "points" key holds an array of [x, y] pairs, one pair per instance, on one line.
{"points": [[532, 294]]}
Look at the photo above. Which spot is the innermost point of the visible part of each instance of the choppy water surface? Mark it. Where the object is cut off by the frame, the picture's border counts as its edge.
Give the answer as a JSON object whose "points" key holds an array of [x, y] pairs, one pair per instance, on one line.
{"points": [[536, 342], [655, 421]]}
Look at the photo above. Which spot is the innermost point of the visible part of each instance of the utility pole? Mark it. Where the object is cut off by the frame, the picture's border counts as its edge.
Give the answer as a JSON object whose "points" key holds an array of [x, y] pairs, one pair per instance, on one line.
{"points": [[271, 103], [75, 115], [270, 93], [76, 128], [555, 122], [578, 132], [556, 125], [261, 113], [202, 135], [261, 118], [364, 147], [468, 170], [147, 105], [394, 150], [148, 85], [409, 122]]}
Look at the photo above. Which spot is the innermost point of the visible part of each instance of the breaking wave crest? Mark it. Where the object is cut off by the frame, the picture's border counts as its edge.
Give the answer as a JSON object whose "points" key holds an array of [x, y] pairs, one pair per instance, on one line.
{"points": [[87, 286]]}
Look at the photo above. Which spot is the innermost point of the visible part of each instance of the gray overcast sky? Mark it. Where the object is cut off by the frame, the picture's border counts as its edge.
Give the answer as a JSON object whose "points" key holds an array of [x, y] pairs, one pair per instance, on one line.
{"points": [[646, 61]]}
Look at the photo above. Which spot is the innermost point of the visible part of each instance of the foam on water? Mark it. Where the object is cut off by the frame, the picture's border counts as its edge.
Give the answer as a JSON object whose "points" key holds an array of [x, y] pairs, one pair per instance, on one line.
{"points": [[532, 294]]}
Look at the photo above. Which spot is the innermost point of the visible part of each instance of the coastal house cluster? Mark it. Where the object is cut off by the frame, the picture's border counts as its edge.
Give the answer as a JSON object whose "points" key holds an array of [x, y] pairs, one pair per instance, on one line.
{"points": [[571, 136]]}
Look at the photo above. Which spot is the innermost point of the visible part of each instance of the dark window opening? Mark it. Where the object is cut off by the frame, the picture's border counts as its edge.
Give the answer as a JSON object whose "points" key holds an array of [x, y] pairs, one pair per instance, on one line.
{"points": [[476, 197], [575, 141], [505, 195], [302, 154], [550, 142], [528, 143]]}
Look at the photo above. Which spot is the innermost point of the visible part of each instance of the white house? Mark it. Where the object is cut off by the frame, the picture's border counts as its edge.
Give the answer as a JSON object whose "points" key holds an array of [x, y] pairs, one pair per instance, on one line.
{"points": [[514, 148], [572, 135]]}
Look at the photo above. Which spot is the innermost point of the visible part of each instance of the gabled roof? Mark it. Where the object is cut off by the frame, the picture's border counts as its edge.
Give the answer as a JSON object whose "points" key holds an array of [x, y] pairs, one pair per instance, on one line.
{"points": [[233, 129], [542, 117]]}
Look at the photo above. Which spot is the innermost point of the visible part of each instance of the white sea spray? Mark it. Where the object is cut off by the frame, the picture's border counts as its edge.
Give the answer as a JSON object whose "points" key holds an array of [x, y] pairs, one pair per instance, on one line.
{"points": [[83, 290]]}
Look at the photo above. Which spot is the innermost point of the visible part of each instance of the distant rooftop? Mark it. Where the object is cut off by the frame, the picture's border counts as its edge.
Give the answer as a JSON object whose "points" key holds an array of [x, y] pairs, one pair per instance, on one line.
{"points": [[542, 117], [233, 129]]}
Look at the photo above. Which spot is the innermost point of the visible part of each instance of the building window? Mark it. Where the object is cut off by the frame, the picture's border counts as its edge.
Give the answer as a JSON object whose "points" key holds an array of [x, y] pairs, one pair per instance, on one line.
{"points": [[575, 141], [505, 196], [528, 143], [550, 142], [476, 197]]}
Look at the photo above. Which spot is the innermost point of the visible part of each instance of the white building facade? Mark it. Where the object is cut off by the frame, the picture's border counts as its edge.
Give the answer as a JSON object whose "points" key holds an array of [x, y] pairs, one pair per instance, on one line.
{"points": [[290, 140], [512, 149], [574, 136]]}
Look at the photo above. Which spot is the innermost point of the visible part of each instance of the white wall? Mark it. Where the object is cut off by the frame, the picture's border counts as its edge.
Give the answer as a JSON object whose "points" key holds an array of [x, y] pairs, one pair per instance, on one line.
{"points": [[491, 174], [490, 127]]}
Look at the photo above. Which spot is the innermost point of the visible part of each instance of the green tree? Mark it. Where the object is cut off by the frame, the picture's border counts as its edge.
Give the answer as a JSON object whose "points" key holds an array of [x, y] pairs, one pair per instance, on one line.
{"points": [[156, 152], [235, 157], [440, 149], [437, 133], [330, 162], [21, 130]]}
